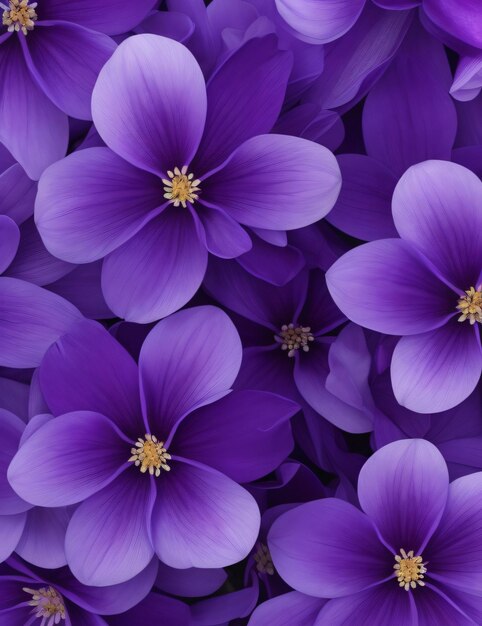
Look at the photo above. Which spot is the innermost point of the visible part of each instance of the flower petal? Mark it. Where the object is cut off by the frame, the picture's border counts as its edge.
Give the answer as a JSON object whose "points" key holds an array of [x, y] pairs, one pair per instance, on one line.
{"points": [[225, 238], [107, 540], [9, 240], [68, 459], [400, 478], [328, 548], [11, 529], [18, 192], [268, 175], [92, 202], [437, 206], [187, 360], [11, 429], [202, 518], [460, 18], [289, 609], [43, 538], [148, 611], [272, 263], [149, 103], [386, 285], [157, 271], [435, 371]]}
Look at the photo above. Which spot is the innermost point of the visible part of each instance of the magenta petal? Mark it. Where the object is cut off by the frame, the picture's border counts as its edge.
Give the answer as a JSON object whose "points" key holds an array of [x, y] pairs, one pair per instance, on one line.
{"points": [[386, 285], [42, 140], [9, 240], [108, 539], [87, 443], [306, 541], [42, 541], [289, 609], [31, 319], [66, 60], [435, 371], [268, 175], [399, 478], [185, 365], [88, 369], [157, 271], [93, 201], [149, 103], [437, 206], [202, 518]]}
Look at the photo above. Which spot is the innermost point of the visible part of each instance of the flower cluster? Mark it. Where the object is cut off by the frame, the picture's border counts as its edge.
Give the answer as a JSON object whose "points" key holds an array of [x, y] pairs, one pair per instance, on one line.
{"points": [[240, 312]]}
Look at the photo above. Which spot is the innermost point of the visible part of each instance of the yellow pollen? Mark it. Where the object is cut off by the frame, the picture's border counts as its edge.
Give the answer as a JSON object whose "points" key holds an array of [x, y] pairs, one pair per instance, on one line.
{"points": [[262, 557], [150, 455], [470, 306], [293, 338], [409, 570], [47, 603], [181, 188], [19, 15]]}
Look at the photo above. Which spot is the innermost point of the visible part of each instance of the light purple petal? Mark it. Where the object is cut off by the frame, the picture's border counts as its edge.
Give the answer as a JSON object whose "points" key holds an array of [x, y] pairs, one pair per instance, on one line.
{"points": [[9, 240], [468, 78], [308, 540], [17, 191], [31, 319], [42, 140], [400, 478], [157, 271], [387, 286], [185, 364], [191, 582], [437, 370], [460, 18], [108, 539], [225, 238], [86, 444], [171, 24], [43, 538], [288, 609], [11, 429], [434, 606], [272, 263], [11, 529], [202, 518], [149, 103], [93, 201], [438, 207], [269, 175]]}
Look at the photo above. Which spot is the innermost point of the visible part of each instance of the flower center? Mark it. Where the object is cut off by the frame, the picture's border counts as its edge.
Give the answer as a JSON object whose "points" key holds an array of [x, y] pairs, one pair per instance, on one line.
{"points": [[19, 15], [150, 454], [47, 602], [181, 188], [293, 338], [470, 305], [409, 570], [262, 557]]}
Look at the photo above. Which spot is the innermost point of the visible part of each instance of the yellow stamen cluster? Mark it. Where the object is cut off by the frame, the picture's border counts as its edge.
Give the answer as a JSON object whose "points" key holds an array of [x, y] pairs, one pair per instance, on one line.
{"points": [[470, 306], [19, 15], [409, 570], [47, 603], [293, 338], [150, 455], [181, 188], [262, 557]]}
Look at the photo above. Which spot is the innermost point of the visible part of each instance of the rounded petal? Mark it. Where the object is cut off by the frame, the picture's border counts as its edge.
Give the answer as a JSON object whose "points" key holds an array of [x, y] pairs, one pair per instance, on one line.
{"points": [[192, 582], [403, 488], [66, 59], [68, 459], [288, 609], [9, 240], [88, 369], [108, 540], [435, 371], [328, 548], [148, 611], [91, 202], [320, 20], [43, 538], [11, 529], [156, 272], [437, 206], [460, 18], [11, 429], [202, 518], [387, 286], [18, 192], [245, 435], [31, 319], [225, 238], [264, 179], [149, 103], [188, 360]]}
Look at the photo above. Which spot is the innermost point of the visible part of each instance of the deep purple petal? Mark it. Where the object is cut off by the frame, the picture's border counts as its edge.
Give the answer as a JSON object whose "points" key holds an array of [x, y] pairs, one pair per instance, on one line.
{"points": [[225, 238], [274, 264], [400, 478], [108, 540], [9, 240], [93, 201], [11, 429], [289, 609], [17, 191], [149, 103], [307, 542], [202, 518], [437, 370], [434, 607], [268, 175], [460, 18], [192, 582], [468, 78], [150, 609]]}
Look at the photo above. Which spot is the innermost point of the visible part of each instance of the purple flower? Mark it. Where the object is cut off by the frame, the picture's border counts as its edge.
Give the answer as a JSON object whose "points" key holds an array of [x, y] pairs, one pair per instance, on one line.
{"points": [[426, 286], [186, 165], [31, 595], [153, 453], [413, 551]]}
